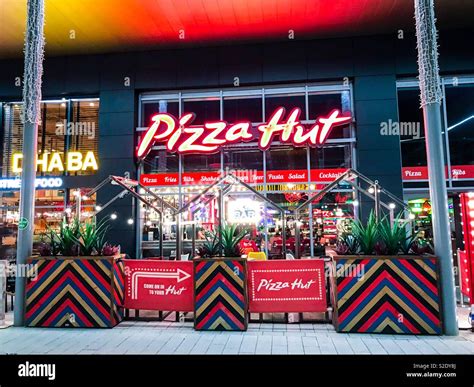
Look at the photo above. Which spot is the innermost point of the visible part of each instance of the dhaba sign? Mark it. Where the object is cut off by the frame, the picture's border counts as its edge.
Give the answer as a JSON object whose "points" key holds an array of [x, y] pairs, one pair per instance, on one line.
{"points": [[59, 162], [182, 137]]}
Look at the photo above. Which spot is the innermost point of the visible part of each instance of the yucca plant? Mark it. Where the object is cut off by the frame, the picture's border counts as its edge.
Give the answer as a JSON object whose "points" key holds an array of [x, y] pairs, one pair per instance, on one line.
{"points": [[210, 246], [68, 237], [407, 243], [392, 235], [230, 239], [367, 235], [92, 237], [347, 242]]}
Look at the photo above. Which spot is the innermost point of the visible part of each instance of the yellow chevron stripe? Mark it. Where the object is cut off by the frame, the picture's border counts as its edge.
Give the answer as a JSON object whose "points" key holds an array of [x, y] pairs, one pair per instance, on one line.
{"points": [[223, 293], [91, 282], [51, 278], [220, 321], [65, 320], [68, 289], [206, 274], [101, 264], [360, 282], [211, 270], [387, 291], [414, 286], [428, 269], [388, 322]]}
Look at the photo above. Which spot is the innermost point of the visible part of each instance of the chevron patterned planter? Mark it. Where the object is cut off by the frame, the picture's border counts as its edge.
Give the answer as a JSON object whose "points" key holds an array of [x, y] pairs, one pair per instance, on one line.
{"points": [[220, 294], [82, 292], [387, 294]]}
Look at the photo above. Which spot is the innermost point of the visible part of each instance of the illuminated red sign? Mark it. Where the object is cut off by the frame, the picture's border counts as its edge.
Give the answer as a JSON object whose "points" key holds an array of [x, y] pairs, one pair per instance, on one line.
{"points": [[251, 177], [159, 285], [182, 137], [287, 286], [458, 172]]}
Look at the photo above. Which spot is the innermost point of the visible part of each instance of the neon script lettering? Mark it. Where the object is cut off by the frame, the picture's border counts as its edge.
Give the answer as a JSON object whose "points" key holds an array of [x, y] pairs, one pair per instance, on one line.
{"points": [[182, 137]]}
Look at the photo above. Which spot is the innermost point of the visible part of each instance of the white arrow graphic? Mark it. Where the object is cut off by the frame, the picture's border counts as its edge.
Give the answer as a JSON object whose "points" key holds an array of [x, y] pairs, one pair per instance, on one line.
{"points": [[179, 275]]}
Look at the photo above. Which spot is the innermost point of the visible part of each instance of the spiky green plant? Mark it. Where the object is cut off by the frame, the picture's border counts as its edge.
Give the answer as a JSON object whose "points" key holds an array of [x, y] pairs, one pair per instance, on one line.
{"points": [[347, 242], [407, 242], [68, 237], [91, 238], [230, 239], [210, 246], [367, 235], [392, 235]]}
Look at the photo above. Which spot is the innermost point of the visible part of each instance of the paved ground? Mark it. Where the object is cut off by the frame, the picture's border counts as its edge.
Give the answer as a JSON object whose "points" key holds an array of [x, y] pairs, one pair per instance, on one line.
{"points": [[136, 337]]}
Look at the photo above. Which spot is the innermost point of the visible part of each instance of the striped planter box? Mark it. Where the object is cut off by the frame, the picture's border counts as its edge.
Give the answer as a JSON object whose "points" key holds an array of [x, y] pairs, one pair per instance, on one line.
{"points": [[387, 294], [83, 292], [220, 294]]}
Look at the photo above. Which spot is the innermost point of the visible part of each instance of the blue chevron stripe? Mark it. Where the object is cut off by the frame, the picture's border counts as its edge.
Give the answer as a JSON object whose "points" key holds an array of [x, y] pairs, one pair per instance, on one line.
{"points": [[353, 281], [417, 281], [48, 267], [201, 298], [46, 302], [368, 297], [222, 314], [382, 317], [69, 310], [92, 275]]}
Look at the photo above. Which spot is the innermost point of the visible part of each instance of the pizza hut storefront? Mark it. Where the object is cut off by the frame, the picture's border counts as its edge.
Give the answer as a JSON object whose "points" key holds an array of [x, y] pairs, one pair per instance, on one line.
{"points": [[284, 142]]}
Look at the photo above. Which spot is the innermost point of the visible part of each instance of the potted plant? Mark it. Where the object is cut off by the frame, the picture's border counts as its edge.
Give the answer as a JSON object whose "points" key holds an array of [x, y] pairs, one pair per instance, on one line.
{"points": [[220, 282], [384, 281], [79, 280]]}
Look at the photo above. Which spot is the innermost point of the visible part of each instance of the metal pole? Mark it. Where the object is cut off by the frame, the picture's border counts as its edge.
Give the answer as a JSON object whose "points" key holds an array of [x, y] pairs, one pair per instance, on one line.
{"points": [[431, 95], [377, 200], [34, 44]]}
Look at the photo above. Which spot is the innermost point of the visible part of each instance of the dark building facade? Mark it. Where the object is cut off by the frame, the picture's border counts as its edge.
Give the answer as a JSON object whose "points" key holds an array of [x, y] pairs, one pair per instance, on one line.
{"points": [[372, 67]]}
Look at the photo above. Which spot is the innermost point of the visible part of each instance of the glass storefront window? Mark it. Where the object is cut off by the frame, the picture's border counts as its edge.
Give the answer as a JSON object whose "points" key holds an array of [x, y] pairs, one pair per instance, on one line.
{"points": [[460, 122], [286, 157], [288, 101], [149, 109], [66, 125], [161, 161], [235, 106], [248, 158], [205, 110], [413, 148], [238, 109], [330, 156], [321, 104]]}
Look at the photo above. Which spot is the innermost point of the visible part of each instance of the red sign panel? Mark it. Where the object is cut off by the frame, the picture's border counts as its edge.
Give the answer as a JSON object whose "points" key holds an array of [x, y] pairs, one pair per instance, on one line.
{"points": [[466, 257], [287, 286], [458, 172], [250, 177], [159, 285]]}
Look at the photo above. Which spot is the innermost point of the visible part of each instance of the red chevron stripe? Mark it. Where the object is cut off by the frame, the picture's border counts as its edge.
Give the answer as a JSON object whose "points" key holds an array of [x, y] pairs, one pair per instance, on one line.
{"points": [[419, 275], [387, 307], [45, 269], [68, 303], [91, 298], [228, 287], [96, 271], [346, 280], [368, 291], [220, 307]]}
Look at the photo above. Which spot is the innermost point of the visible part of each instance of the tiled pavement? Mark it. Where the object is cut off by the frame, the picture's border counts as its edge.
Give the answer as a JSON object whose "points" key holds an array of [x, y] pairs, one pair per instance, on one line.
{"points": [[137, 337]]}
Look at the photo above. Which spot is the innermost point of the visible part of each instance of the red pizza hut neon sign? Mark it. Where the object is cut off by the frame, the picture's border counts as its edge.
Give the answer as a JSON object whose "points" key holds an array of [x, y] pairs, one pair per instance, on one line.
{"points": [[182, 137]]}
